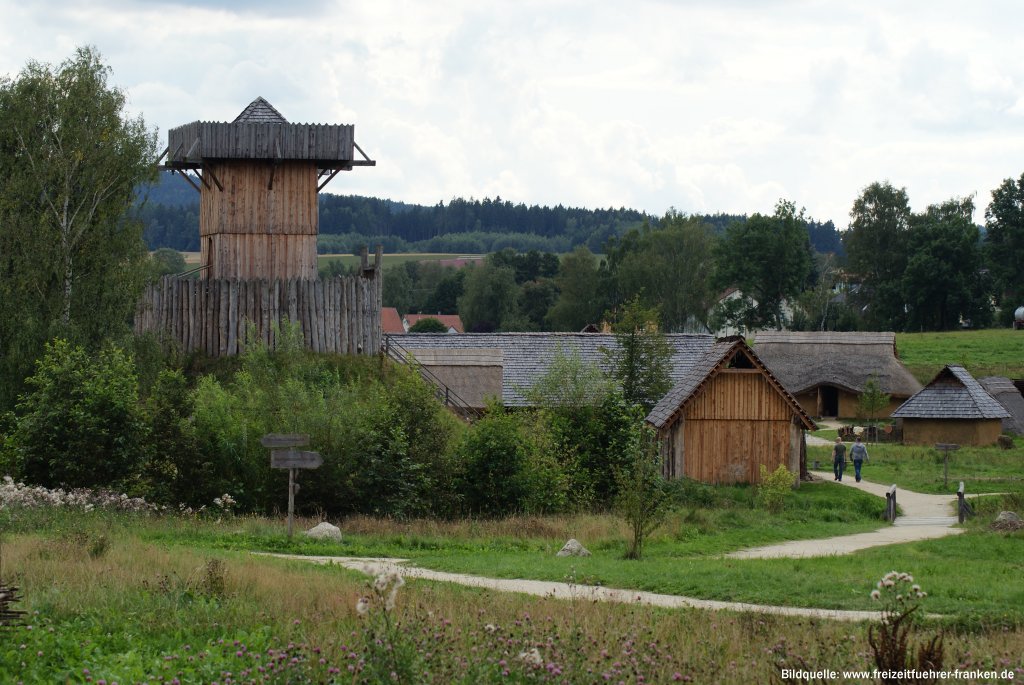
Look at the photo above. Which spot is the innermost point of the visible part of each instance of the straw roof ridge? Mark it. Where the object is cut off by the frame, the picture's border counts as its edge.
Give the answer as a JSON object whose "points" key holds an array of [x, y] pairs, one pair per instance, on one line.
{"points": [[952, 394]]}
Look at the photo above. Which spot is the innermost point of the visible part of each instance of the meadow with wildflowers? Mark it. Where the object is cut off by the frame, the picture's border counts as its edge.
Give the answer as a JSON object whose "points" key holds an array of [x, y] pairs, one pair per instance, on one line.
{"points": [[175, 597]]}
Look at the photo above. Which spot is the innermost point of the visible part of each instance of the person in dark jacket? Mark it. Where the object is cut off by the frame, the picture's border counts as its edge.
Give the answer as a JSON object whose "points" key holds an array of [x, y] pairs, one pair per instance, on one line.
{"points": [[838, 458]]}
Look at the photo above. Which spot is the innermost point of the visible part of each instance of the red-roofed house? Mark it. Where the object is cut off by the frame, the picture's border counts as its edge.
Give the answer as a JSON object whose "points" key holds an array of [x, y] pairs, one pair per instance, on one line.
{"points": [[390, 321], [452, 321]]}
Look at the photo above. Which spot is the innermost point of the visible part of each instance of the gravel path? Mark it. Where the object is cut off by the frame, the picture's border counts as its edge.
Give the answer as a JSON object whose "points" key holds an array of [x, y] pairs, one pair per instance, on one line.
{"points": [[925, 517], [587, 593]]}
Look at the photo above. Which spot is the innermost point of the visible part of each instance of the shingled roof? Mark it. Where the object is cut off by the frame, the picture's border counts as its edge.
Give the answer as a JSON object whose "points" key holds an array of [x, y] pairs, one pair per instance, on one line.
{"points": [[806, 360], [702, 370], [952, 394], [527, 356], [260, 111], [1006, 393]]}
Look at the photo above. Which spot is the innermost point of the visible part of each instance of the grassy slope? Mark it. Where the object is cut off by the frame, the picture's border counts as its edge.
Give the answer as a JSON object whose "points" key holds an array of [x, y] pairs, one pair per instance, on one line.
{"points": [[983, 353]]}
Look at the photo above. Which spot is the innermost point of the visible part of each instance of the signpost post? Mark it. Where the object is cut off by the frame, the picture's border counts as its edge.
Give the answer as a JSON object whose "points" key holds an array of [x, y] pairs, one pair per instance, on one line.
{"points": [[945, 448], [283, 455]]}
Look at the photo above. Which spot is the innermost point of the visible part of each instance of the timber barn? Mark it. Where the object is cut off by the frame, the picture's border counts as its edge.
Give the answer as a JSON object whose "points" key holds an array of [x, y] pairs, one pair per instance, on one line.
{"points": [[258, 178], [952, 408], [827, 371], [726, 417]]}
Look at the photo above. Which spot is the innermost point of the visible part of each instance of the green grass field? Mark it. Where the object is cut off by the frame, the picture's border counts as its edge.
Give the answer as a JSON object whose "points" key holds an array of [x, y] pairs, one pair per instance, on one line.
{"points": [[993, 352], [392, 259], [192, 258], [133, 598]]}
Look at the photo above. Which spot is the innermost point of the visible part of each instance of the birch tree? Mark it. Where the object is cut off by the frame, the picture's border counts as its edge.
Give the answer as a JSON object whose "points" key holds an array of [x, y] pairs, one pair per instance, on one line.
{"points": [[71, 158]]}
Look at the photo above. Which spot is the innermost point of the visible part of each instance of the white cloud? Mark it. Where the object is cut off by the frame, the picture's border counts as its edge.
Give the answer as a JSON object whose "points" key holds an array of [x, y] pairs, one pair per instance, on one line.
{"points": [[703, 106]]}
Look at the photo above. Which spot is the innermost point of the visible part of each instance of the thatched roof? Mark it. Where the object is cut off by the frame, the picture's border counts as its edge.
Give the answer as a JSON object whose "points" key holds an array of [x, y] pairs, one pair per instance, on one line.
{"points": [[526, 357], [952, 394], [1006, 393], [806, 360], [694, 379]]}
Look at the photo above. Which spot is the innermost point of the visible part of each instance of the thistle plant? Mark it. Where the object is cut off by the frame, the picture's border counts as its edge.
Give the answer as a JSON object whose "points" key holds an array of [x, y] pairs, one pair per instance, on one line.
{"points": [[890, 639], [390, 655]]}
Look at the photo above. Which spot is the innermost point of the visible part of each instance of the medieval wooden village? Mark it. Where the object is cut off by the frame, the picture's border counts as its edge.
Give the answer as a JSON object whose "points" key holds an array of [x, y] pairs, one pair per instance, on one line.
{"points": [[733, 407], [270, 476]]}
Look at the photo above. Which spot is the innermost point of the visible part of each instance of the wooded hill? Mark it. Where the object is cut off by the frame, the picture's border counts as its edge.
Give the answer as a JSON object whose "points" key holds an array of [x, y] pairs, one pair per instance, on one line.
{"points": [[170, 214]]}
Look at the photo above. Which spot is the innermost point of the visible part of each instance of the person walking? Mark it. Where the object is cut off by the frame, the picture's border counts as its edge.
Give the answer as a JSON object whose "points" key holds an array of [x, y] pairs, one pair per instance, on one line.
{"points": [[838, 458], [859, 454]]}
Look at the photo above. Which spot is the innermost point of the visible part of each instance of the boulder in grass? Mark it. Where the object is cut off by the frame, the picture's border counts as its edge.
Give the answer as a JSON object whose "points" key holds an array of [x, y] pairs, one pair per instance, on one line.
{"points": [[324, 531], [1008, 521], [573, 548]]}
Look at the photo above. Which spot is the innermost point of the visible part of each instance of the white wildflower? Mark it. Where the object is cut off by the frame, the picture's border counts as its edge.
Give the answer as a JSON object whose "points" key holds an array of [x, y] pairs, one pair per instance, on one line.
{"points": [[363, 606], [532, 657], [396, 582]]}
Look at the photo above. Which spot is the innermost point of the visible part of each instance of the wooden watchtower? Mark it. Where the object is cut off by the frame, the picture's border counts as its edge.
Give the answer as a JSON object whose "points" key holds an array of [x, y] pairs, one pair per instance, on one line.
{"points": [[258, 178]]}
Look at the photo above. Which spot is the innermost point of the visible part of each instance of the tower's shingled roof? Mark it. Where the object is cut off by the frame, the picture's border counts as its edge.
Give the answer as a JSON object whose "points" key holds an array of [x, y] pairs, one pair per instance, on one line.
{"points": [[259, 111]]}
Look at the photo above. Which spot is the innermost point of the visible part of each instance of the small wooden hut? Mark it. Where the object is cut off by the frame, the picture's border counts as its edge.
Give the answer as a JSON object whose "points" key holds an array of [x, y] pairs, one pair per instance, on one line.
{"points": [[727, 416], [952, 408], [827, 371], [1006, 393], [258, 178]]}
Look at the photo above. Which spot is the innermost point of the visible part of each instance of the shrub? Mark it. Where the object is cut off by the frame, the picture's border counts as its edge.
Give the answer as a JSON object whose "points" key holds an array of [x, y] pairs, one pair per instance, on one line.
{"points": [[171, 475], [643, 497], [775, 487], [428, 325], [80, 424], [508, 466]]}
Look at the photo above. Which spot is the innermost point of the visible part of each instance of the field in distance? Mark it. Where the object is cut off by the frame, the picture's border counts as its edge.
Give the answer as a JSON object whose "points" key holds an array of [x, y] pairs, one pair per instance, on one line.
{"points": [[989, 352], [192, 258]]}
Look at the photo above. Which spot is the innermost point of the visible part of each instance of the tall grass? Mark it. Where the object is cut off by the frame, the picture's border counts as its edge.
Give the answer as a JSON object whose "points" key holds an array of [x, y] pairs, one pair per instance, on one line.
{"points": [[144, 612]]}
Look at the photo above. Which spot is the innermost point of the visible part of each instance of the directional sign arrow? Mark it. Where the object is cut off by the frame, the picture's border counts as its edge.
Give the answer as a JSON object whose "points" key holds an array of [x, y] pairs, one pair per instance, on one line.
{"points": [[284, 440], [295, 459]]}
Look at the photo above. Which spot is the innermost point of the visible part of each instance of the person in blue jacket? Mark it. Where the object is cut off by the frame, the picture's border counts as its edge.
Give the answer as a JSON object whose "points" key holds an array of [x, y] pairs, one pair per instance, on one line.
{"points": [[859, 454]]}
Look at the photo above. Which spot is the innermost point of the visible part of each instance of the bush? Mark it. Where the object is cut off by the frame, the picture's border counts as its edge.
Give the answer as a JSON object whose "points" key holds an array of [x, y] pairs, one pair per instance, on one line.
{"points": [[80, 424], [384, 439], [775, 487], [643, 497], [509, 466]]}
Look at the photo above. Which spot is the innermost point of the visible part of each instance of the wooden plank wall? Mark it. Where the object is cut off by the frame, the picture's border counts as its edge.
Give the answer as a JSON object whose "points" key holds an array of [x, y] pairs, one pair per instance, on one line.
{"points": [[248, 203], [736, 423], [216, 317], [268, 257]]}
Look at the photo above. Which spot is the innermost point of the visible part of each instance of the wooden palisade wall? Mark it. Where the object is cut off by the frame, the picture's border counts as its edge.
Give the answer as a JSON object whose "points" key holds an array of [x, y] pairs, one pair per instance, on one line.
{"points": [[337, 315]]}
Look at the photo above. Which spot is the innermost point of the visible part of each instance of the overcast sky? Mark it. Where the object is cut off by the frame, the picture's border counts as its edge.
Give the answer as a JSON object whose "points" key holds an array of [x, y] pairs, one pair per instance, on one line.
{"points": [[705, 106]]}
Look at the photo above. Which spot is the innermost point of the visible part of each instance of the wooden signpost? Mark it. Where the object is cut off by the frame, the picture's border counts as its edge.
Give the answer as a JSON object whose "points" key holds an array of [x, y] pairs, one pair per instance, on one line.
{"points": [[283, 455], [946, 448]]}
